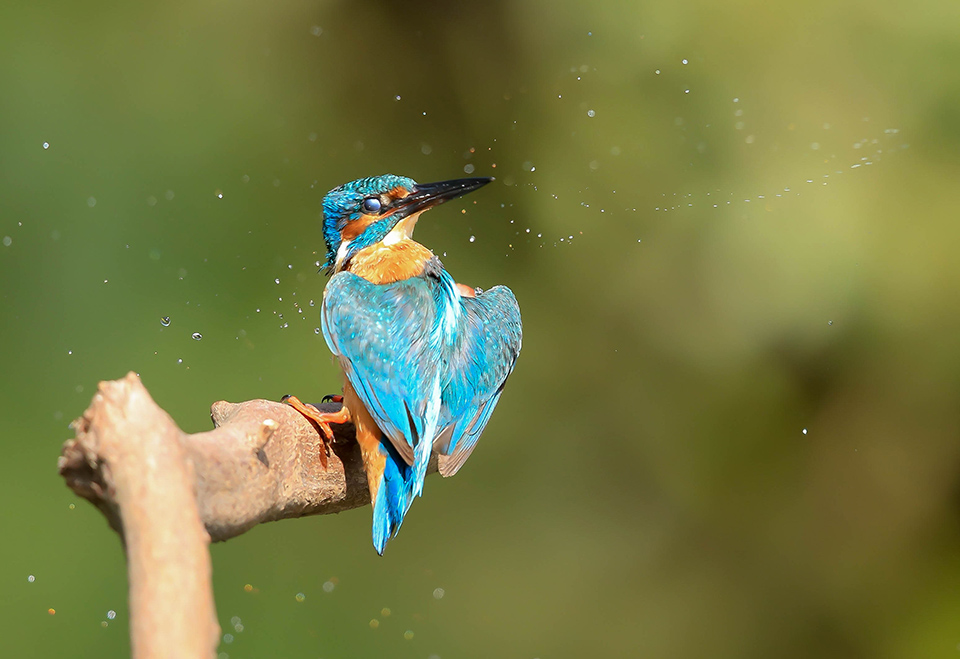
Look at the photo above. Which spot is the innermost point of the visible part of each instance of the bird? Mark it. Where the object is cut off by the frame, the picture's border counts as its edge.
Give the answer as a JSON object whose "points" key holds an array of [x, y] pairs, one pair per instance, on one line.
{"points": [[424, 358]]}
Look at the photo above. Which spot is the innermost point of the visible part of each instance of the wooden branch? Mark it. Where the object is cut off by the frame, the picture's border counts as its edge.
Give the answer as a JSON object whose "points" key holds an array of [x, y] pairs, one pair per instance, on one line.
{"points": [[169, 494]]}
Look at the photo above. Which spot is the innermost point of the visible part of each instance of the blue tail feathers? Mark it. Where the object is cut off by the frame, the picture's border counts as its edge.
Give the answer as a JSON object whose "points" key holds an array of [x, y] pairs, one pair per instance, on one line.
{"points": [[394, 496]]}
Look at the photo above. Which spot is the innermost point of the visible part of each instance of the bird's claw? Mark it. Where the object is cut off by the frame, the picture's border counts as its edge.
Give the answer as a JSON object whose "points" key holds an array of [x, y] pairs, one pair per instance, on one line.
{"points": [[321, 419]]}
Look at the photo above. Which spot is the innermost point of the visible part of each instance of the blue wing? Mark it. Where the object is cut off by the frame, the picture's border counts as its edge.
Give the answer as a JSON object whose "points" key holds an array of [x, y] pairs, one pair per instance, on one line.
{"points": [[484, 351], [386, 338]]}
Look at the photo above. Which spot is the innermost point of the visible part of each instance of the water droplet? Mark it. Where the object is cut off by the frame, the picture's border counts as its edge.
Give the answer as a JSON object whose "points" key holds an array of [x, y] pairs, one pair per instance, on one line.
{"points": [[91, 201], [316, 30], [300, 597], [111, 614], [46, 145], [374, 623], [385, 612], [316, 330], [683, 61], [219, 194], [408, 635], [228, 638], [165, 321], [277, 280], [829, 322], [197, 336], [426, 149], [31, 578], [168, 195], [468, 168], [473, 238], [591, 113], [815, 146], [328, 586], [804, 431], [7, 241], [438, 593]]}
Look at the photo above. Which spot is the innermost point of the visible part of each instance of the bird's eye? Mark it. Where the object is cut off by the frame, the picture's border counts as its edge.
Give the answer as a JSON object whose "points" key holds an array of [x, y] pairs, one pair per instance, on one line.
{"points": [[371, 205]]}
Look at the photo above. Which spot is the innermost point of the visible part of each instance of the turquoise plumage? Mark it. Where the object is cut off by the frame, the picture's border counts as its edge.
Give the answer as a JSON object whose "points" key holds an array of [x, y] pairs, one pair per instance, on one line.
{"points": [[425, 359]]}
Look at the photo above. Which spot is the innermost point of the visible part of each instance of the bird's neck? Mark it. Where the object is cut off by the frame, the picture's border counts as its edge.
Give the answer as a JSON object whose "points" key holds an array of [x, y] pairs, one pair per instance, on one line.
{"points": [[386, 263]]}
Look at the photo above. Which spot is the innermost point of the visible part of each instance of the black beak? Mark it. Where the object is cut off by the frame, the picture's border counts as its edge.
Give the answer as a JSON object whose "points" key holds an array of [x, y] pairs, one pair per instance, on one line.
{"points": [[428, 195]]}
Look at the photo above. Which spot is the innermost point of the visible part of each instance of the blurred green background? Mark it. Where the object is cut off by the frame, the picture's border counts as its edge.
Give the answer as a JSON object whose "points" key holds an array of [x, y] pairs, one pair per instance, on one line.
{"points": [[734, 430]]}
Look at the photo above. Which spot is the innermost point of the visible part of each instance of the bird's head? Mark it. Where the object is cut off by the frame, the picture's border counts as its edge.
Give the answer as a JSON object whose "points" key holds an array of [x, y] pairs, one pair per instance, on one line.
{"points": [[378, 209]]}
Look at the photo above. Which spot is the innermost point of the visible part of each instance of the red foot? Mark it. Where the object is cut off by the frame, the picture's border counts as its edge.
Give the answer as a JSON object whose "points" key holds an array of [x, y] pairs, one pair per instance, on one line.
{"points": [[322, 419]]}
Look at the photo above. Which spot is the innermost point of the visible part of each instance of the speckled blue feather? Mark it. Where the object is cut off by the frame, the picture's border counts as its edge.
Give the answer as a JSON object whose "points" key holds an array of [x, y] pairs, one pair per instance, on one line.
{"points": [[482, 355]]}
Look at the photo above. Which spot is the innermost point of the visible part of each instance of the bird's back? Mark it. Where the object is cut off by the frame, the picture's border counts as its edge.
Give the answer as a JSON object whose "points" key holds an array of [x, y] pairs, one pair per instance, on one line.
{"points": [[428, 363]]}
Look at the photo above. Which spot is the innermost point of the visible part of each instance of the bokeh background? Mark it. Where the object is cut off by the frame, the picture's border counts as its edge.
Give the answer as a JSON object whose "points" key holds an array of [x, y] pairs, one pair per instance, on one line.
{"points": [[734, 430]]}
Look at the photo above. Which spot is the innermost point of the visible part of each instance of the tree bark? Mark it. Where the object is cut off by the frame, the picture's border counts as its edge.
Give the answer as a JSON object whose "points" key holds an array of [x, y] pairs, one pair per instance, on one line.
{"points": [[168, 494]]}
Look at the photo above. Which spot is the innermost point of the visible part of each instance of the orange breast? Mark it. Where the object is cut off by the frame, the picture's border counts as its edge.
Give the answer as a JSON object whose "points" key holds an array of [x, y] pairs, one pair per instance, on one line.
{"points": [[382, 264], [368, 436]]}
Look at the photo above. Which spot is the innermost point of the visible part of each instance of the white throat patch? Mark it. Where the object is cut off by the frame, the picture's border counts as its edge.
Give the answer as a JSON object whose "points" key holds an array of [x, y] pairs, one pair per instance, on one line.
{"points": [[341, 254], [402, 231]]}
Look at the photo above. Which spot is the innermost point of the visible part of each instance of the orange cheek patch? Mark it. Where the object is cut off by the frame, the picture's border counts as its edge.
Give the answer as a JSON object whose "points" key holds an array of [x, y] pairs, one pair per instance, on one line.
{"points": [[358, 226]]}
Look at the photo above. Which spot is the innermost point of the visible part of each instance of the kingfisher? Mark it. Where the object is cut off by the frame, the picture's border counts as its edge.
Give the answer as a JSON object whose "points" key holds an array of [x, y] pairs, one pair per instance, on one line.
{"points": [[424, 358]]}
